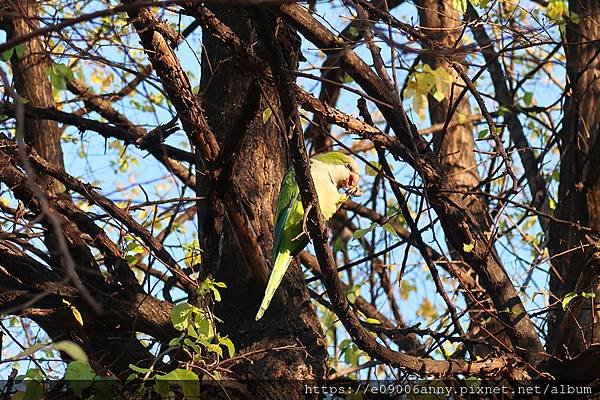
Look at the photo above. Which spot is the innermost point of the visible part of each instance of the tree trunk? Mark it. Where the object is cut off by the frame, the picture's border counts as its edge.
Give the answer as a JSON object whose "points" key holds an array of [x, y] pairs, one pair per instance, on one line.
{"points": [[31, 83], [235, 103], [576, 253]]}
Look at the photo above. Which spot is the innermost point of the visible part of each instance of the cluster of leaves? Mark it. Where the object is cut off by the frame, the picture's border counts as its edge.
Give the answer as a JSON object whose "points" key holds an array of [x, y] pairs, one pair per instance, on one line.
{"points": [[197, 326], [461, 5], [186, 380], [7, 54], [198, 337], [59, 74], [82, 380], [425, 81], [558, 11], [193, 256]]}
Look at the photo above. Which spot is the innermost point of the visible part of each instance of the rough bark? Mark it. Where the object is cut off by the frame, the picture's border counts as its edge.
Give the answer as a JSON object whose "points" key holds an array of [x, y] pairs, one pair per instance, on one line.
{"points": [[32, 83], [576, 263], [235, 101]]}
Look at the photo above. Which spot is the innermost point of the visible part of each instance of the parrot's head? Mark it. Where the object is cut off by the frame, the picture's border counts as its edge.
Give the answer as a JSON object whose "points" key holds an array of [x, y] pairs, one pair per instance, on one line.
{"points": [[344, 171]]}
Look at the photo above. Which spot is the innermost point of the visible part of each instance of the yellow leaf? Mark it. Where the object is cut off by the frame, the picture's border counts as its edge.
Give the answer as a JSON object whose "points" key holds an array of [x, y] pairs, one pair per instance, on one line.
{"points": [[439, 96], [266, 114], [468, 247], [107, 82], [96, 78], [75, 311], [85, 206]]}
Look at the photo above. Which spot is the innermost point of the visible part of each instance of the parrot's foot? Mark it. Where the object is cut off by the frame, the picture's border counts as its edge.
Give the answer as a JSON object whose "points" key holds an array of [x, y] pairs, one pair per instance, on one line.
{"points": [[304, 228]]}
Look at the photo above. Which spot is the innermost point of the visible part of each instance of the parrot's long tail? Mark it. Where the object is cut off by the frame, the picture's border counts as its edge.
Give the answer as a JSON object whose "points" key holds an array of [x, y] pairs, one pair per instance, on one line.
{"points": [[282, 263]]}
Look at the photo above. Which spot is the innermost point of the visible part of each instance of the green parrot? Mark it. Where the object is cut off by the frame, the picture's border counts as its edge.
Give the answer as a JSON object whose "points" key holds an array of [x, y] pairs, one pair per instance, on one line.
{"points": [[330, 172]]}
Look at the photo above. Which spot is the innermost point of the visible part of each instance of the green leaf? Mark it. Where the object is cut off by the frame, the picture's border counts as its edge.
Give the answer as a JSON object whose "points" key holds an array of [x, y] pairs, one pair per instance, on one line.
{"points": [[225, 341], [362, 232], [204, 327], [266, 114], [535, 294], [34, 373], [574, 17], [347, 79], [389, 227], [567, 299], [344, 344], [527, 97], [34, 390], [79, 370], [180, 315], [191, 331], [56, 80], [162, 388], [216, 293], [139, 370], [353, 293], [353, 32], [7, 54], [352, 355], [80, 376], [20, 50], [64, 71], [372, 171], [588, 295], [460, 6], [193, 346], [72, 349], [338, 245], [468, 247], [373, 321], [214, 348], [187, 381]]}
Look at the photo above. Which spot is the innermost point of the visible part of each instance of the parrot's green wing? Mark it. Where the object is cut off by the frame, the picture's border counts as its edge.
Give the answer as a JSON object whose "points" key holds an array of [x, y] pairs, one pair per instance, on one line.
{"points": [[288, 239], [286, 203]]}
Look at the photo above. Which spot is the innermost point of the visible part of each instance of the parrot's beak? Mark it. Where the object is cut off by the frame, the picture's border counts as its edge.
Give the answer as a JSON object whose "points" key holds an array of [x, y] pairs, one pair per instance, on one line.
{"points": [[352, 189], [355, 191]]}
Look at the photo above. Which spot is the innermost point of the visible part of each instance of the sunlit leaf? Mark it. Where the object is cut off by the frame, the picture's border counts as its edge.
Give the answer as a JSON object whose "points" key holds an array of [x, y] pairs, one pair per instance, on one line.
{"points": [[180, 315], [362, 232], [225, 341], [266, 114], [72, 349], [186, 380], [567, 299]]}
